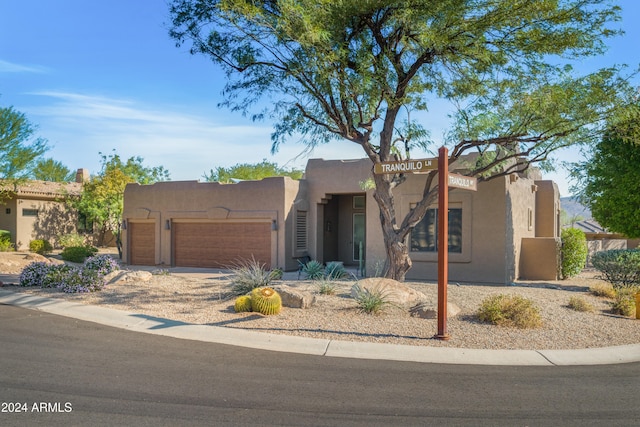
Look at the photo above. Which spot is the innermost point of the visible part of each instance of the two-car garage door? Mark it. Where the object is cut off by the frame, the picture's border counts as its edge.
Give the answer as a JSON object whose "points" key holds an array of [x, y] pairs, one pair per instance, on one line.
{"points": [[220, 244]]}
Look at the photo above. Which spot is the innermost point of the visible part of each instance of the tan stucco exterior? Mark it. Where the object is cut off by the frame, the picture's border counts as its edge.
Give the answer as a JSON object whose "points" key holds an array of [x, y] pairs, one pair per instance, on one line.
{"points": [[330, 202]]}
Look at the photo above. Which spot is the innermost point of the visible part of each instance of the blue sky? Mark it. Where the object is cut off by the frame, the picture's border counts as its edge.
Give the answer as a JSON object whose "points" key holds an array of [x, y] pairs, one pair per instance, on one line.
{"points": [[95, 76]]}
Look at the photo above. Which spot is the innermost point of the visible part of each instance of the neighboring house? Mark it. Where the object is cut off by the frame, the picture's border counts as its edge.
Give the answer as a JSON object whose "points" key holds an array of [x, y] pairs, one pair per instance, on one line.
{"points": [[37, 210], [600, 239], [508, 229]]}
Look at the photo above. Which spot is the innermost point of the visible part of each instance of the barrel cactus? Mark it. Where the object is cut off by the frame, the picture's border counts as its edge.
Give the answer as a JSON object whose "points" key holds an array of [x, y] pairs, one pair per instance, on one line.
{"points": [[242, 304], [266, 301]]}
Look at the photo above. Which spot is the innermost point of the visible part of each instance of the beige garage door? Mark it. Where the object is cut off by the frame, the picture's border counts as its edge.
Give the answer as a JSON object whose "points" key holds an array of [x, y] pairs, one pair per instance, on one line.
{"points": [[221, 245], [142, 243]]}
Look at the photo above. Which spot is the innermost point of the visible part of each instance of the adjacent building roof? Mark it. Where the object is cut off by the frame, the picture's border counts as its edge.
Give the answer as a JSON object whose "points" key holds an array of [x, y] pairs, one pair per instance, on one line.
{"points": [[44, 189]]}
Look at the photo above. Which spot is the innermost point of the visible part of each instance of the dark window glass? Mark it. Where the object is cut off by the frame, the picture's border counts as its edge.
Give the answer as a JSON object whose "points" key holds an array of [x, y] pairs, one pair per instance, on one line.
{"points": [[424, 237]]}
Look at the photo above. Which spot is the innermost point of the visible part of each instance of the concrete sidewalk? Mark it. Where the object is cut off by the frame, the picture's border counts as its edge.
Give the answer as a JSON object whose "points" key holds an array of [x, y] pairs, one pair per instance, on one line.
{"points": [[321, 347]]}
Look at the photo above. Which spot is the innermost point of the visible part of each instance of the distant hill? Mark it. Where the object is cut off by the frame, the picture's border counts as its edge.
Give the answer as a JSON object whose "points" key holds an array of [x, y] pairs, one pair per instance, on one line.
{"points": [[573, 208]]}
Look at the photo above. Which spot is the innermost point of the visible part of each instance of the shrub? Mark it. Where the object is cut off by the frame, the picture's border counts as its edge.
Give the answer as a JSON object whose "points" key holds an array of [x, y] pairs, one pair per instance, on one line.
{"points": [[249, 275], [334, 271], [510, 310], [620, 267], [624, 303], [603, 290], [326, 287], [313, 270], [573, 253], [371, 301], [78, 253], [34, 273], [580, 304], [82, 280], [70, 239], [40, 246], [56, 276], [103, 264], [5, 241]]}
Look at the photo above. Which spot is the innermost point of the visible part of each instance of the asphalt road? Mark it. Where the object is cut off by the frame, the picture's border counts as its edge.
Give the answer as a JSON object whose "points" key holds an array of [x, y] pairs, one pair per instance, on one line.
{"points": [[62, 371]]}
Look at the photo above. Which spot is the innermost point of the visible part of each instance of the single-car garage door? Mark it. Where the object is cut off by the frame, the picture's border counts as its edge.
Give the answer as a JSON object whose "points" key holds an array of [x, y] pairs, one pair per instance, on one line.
{"points": [[221, 245], [142, 243]]}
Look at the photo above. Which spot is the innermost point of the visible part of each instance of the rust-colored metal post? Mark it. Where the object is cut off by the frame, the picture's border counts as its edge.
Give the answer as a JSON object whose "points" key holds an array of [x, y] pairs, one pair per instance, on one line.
{"points": [[443, 241]]}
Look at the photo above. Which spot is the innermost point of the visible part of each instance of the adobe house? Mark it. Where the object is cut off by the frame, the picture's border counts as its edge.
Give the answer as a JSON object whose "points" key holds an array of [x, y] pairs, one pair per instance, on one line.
{"points": [[37, 210], [506, 230]]}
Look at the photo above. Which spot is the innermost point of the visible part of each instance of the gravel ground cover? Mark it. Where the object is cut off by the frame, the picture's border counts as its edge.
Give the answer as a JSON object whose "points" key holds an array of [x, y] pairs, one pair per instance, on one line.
{"points": [[203, 297]]}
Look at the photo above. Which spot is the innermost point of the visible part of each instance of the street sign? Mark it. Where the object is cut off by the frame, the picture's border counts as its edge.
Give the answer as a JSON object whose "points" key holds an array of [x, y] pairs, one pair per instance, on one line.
{"points": [[463, 182], [406, 166]]}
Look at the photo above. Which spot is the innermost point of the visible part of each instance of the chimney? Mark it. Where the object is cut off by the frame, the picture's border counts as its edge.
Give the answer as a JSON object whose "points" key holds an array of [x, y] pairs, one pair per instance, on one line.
{"points": [[82, 175]]}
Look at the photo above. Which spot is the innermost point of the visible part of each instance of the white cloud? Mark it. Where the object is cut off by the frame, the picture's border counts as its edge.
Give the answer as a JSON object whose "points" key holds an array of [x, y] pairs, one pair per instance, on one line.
{"points": [[10, 67]]}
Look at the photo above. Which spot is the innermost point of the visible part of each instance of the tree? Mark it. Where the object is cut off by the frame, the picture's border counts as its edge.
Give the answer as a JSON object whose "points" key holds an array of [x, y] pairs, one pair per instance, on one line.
{"points": [[19, 148], [247, 171], [349, 69], [102, 198], [53, 171], [612, 176]]}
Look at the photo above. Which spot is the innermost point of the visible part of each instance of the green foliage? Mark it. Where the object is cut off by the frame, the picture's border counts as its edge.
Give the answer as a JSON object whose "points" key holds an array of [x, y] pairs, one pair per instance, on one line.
{"points": [[620, 267], [371, 301], [248, 172], [34, 274], [313, 270], [580, 304], [326, 287], [248, 275], [276, 274], [56, 276], [573, 253], [5, 241], [334, 271], [265, 301], [242, 304], [40, 246], [350, 70], [53, 171], [604, 290], [78, 253], [624, 302], [70, 239], [611, 180], [510, 310]]}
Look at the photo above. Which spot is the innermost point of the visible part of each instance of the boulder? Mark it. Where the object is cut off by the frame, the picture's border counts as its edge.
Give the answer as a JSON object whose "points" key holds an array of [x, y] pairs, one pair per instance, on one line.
{"points": [[295, 298], [426, 310], [396, 292], [124, 276]]}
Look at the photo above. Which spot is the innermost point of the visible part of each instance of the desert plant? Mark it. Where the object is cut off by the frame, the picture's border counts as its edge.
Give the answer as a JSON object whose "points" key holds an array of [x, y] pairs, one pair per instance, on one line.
{"points": [[70, 239], [103, 264], [580, 304], [40, 246], [624, 302], [248, 275], [78, 253], [82, 280], [510, 310], [313, 270], [573, 252], [276, 274], [34, 273], [620, 267], [266, 301], [335, 271], [603, 290], [371, 301], [242, 304], [326, 287], [56, 276], [5, 241]]}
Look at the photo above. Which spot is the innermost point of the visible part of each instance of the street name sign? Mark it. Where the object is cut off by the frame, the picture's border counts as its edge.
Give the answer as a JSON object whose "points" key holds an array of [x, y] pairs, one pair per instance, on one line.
{"points": [[463, 182], [406, 166]]}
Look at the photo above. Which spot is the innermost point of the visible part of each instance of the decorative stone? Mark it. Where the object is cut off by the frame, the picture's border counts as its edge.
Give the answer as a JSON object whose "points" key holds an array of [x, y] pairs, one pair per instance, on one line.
{"points": [[124, 276], [396, 292], [295, 298], [426, 310]]}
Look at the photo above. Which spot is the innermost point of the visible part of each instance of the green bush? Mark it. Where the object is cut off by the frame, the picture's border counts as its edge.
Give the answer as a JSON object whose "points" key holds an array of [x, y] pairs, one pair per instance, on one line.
{"points": [[313, 270], [5, 241], [510, 310], [573, 253], [40, 246], [70, 239], [334, 271], [620, 267], [78, 253]]}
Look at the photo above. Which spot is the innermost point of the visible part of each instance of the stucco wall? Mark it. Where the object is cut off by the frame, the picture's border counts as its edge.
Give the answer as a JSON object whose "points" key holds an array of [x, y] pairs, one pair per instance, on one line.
{"points": [[53, 219]]}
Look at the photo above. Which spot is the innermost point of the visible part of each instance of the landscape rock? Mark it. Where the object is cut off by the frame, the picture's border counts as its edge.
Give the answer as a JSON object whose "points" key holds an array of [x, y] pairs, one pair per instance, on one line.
{"points": [[427, 310], [396, 292], [295, 298], [126, 276]]}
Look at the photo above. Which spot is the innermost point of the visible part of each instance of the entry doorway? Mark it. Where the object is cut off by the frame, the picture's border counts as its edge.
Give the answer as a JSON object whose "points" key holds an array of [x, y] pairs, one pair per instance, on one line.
{"points": [[344, 228]]}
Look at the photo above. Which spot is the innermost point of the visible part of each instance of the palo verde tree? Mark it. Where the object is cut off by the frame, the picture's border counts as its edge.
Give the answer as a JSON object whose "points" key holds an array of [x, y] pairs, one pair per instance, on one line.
{"points": [[349, 69], [102, 198], [53, 171], [247, 171]]}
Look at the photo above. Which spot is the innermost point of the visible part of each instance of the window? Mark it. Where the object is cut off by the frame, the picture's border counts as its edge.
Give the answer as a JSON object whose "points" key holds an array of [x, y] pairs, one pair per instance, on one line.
{"points": [[358, 202], [301, 231], [424, 237], [29, 212], [84, 224]]}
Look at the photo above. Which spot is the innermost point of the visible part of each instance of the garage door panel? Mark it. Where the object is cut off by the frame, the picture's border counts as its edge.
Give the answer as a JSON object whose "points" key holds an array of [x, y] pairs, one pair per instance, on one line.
{"points": [[220, 245], [142, 243]]}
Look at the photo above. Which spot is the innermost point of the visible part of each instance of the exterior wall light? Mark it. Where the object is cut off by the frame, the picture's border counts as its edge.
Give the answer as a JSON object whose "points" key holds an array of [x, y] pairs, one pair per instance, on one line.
{"points": [[124, 224], [167, 225], [274, 225]]}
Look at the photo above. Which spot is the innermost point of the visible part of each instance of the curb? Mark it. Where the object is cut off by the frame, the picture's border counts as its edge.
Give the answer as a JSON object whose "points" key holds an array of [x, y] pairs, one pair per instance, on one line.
{"points": [[137, 322]]}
